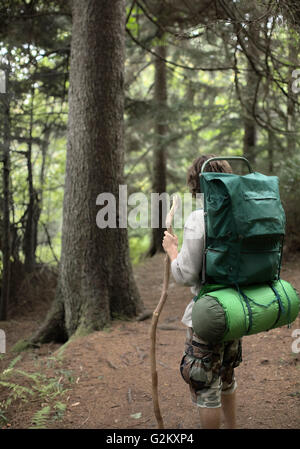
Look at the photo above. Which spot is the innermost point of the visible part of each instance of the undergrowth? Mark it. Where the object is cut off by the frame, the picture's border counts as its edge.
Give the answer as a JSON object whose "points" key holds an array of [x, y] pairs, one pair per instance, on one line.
{"points": [[47, 391]]}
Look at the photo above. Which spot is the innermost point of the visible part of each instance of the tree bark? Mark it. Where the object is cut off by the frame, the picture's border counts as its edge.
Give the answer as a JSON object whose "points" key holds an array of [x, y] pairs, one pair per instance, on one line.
{"points": [[44, 151], [95, 278], [291, 110], [271, 146], [159, 182], [33, 209], [250, 127], [6, 249]]}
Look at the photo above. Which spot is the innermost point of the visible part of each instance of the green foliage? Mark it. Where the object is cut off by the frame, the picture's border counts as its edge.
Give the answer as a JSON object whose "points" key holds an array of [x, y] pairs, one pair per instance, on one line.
{"points": [[138, 246], [60, 409], [48, 391], [205, 111], [21, 345], [40, 418]]}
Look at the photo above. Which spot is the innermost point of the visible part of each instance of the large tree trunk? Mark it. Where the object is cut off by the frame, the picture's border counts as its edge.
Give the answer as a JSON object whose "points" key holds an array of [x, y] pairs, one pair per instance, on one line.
{"points": [[159, 183], [95, 279]]}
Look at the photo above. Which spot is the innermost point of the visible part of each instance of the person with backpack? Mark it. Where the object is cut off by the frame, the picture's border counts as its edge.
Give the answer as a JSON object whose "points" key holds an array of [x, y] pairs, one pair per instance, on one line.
{"points": [[207, 368]]}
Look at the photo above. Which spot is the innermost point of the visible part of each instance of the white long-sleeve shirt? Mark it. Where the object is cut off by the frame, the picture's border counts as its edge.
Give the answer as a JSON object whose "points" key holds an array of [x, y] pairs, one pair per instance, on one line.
{"points": [[186, 268]]}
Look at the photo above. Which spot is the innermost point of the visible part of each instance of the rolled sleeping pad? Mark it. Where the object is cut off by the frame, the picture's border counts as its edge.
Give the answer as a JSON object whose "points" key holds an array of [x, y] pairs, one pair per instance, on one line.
{"points": [[228, 313]]}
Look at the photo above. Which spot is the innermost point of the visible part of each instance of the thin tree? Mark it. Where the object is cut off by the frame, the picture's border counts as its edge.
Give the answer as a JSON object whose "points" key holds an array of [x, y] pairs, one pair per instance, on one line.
{"points": [[33, 209], [252, 80], [159, 172], [6, 242], [291, 100]]}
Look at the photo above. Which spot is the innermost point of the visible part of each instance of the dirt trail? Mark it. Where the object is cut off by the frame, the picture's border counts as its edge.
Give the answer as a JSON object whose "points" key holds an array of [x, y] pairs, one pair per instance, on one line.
{"points": [[110, 370]]}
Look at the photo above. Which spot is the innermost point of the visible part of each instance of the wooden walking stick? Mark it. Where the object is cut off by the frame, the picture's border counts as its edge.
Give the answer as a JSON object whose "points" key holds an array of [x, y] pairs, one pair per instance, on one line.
{"points": [[155, 317]]}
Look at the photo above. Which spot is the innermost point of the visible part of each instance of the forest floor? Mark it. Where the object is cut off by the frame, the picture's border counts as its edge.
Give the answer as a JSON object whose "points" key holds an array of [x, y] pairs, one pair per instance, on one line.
{"points": [[103, 380]]}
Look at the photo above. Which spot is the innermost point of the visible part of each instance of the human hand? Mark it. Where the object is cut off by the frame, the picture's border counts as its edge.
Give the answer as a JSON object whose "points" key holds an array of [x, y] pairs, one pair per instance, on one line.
{"points": [[170, 245]]}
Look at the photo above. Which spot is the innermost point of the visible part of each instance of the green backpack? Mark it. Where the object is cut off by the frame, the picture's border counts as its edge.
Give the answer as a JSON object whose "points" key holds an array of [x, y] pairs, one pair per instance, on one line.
{"points": [[245, 227], [242, 292]]}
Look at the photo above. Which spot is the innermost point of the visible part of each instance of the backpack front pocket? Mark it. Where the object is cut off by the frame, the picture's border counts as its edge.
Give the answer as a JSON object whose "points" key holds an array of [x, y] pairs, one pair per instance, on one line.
{"points": [[216, 263]]}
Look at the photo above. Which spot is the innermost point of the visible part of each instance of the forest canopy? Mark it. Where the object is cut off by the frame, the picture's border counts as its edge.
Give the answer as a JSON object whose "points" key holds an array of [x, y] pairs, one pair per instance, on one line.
{"points": [[212, 77]]}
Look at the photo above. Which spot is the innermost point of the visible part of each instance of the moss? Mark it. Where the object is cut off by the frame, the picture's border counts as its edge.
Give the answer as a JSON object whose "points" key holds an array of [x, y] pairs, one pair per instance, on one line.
{"points": [[59, 352], [86, 328], [83, 331], [120, 317], [23, 345]]}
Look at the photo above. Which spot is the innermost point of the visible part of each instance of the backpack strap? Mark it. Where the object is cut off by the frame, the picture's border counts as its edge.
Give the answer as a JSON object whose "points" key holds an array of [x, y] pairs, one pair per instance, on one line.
{"points": [[244, 299], [280, 305], [289, 304]]}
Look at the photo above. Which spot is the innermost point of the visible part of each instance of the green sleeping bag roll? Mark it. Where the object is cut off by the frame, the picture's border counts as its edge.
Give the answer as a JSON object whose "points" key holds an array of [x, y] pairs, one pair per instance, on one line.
{"points": [[225, 313]]}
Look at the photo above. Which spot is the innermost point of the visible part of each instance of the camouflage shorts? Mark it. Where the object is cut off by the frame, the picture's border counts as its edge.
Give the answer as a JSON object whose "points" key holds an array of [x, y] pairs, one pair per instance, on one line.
{"points": [[209, 369]]}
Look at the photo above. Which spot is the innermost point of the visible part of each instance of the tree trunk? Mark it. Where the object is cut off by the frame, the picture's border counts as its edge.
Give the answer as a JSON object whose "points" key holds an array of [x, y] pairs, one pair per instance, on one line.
{"points": [[249, 141], [271, 146], [6, 249], [250, 127], [291, 102], [33, 209], [44, 150], [95, 278], [159, 183]]}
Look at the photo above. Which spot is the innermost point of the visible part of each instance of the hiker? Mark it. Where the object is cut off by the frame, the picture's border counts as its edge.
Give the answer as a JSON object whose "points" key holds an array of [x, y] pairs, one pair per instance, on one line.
{"points": [[207, 368]]}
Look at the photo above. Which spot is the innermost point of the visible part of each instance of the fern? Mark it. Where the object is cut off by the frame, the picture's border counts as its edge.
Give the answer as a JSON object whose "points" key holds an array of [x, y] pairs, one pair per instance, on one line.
{"points": [[51, 389], [40, 418], [46, 389], [11, 365], [15, 361], [31, 376], [60, 409], [3, 418], [17, 391]]}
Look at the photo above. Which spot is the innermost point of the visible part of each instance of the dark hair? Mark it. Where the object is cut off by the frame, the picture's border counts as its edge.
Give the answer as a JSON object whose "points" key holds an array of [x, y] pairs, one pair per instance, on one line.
{"points": [[194, 170]]}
